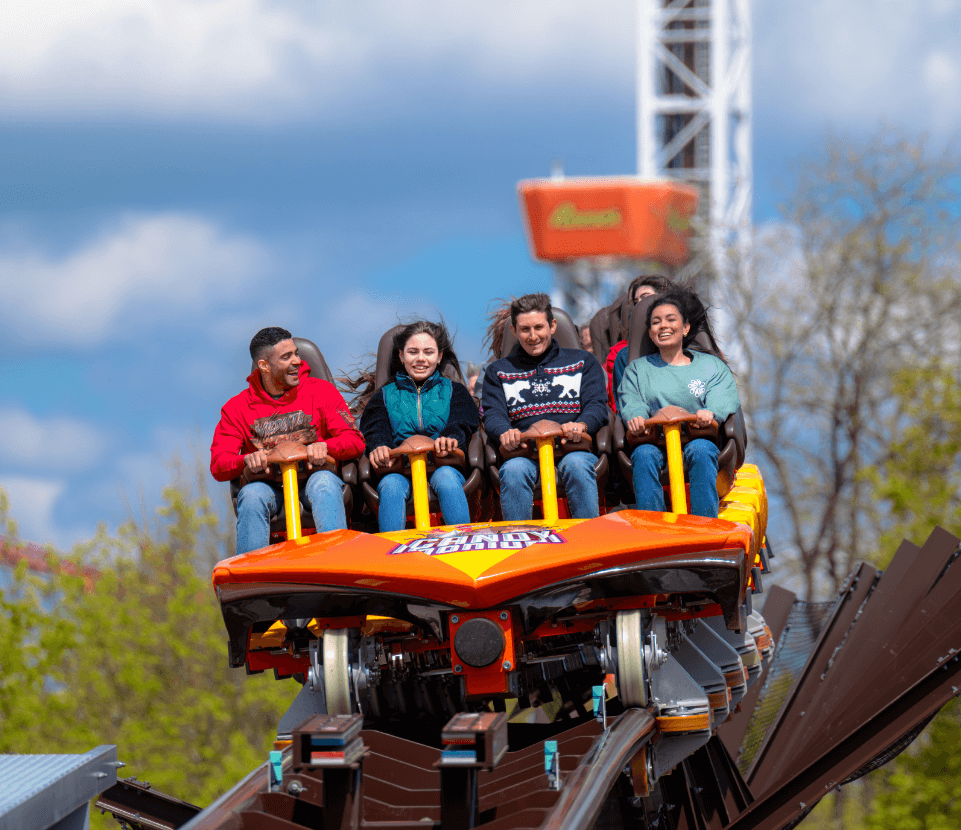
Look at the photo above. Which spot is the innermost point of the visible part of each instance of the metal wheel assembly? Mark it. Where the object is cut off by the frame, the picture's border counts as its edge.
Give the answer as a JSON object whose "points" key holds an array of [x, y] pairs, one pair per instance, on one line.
{"points": [[631, 665], [336, 672]]}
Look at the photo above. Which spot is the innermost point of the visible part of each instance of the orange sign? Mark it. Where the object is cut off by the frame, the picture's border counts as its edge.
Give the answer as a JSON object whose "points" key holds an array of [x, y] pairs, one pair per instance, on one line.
{"points": [[573, 218]]}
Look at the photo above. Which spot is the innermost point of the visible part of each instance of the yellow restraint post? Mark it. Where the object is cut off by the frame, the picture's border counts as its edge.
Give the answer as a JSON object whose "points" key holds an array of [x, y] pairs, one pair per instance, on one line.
{"points": [[675, 468], [418, 484], [291, 499], [545, 455]]}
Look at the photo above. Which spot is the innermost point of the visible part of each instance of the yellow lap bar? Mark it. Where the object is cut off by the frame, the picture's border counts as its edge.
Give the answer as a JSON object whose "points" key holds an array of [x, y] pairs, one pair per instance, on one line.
{"points": [[545, 454], [291, 500], [418, 483], [675, 468]]}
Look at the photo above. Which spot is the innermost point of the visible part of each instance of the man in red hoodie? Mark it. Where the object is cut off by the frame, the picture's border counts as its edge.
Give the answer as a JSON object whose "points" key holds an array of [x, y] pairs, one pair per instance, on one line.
{"points": [[280, 385]]}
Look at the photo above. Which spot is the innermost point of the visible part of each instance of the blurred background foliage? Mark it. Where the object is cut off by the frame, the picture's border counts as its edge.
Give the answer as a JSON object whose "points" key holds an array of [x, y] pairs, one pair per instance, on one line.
{"points": [[131, 650]]}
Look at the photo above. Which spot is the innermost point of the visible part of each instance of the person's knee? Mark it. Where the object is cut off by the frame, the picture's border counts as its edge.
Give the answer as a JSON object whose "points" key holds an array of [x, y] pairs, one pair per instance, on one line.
{"points": [[647, 456], [392, 484], [579, 465], [700, 451], [518, 471], [447, 477], [325, 481], [256, 497]]}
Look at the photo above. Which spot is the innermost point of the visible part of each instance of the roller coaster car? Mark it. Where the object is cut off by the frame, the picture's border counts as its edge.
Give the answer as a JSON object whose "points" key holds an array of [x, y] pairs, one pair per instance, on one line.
{"points": [[567, 338], [308, 352], [438, 621], [470, 459]]}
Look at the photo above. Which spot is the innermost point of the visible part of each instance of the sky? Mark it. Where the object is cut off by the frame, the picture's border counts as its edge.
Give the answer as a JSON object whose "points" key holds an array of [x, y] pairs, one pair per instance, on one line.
{"points": [[176, 174]]}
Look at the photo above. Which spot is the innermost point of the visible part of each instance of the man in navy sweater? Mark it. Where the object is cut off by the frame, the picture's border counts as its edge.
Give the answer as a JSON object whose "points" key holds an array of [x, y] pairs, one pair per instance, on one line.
{"points": [[541, 380]]}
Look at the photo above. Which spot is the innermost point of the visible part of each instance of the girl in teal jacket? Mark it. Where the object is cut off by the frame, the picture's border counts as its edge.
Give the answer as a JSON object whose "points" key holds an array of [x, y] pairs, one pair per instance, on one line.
{"points": [[420, 401]]}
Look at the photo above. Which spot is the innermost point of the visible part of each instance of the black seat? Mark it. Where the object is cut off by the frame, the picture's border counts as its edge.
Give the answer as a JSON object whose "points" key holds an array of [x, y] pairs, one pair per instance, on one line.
{"points": [[567, 337], [732, 434], [347, 470], [474, 452]]}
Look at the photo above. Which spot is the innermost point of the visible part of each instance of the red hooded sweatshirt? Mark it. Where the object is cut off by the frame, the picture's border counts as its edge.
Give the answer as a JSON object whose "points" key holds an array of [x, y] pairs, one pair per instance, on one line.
{"points": [[318, 398]]}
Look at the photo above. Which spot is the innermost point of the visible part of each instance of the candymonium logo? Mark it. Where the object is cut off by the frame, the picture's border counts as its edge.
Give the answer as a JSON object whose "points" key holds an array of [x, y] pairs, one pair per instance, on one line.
{"points": [[457, 541]]}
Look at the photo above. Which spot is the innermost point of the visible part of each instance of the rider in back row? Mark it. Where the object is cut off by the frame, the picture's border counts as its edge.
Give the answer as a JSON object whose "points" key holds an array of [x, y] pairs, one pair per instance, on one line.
{"points": [[537, 380]]}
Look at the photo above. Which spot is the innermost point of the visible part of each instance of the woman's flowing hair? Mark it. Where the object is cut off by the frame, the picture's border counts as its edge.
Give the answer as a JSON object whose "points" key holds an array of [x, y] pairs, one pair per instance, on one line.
{"points": [[499, 317], [693, 312], [362, 386]]}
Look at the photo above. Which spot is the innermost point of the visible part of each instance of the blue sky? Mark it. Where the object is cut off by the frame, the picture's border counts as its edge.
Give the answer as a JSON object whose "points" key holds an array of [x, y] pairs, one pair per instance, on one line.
{"points": [[175, 174]]}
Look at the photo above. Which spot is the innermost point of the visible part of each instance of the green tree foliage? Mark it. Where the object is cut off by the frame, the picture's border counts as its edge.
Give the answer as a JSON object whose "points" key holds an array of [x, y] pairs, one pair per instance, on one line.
{"points": [[136, 657], [920, 482]]}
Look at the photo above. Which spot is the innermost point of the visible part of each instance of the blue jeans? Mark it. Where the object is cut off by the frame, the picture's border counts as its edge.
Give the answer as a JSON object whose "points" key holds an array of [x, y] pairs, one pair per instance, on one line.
{"points": [[447, 484], [258, 501], [700, 461], [575, 471]]}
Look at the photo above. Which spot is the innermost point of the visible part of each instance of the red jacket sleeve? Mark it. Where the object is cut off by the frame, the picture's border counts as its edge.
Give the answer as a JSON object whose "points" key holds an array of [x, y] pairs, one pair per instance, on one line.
{"points": [[609, 365], [344, 440], [226, 450]]}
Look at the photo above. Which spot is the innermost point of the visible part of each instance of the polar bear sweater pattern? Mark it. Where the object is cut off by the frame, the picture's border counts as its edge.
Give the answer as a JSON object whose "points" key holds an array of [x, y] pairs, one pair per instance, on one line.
{"points": [[561, 385]]}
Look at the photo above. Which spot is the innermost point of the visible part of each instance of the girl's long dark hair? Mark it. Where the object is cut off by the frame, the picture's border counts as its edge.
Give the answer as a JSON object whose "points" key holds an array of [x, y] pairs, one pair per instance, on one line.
{"points": [[436, 330], [363, 385], [693, 312]]}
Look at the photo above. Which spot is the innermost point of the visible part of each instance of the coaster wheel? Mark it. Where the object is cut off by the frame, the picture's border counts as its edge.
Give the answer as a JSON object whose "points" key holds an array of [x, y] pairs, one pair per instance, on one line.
{"points": [[631, 666], [337, 671]]}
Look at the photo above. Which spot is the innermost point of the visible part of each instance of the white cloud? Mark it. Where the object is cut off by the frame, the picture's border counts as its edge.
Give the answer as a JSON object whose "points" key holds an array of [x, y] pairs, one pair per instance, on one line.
{"points": [[853, 63], [156, 265], [54, 443], [254, 59], [32, 505]]}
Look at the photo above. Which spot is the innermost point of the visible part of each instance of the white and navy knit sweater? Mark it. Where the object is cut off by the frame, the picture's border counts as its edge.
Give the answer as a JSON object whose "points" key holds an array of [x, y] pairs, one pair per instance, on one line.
{"points": [[560, 385]]}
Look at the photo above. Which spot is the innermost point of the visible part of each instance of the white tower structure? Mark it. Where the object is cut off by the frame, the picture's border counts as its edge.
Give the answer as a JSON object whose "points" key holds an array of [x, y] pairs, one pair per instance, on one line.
{"points": [[694, 108]]}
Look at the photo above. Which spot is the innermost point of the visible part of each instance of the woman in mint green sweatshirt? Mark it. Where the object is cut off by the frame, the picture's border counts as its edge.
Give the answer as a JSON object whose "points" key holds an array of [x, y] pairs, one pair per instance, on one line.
{"points": [[677, 376]]}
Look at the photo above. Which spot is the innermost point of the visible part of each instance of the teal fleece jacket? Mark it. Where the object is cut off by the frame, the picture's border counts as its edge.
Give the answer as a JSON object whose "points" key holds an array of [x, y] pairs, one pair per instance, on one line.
{"points": [[650, 384]]}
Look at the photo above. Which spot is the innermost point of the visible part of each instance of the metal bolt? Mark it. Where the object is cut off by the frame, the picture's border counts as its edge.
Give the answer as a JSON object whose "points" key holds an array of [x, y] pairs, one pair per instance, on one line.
{"points": [[504, 615], [507, 665], [803, 805], [458, 669], [295, 788], [454, 619]]}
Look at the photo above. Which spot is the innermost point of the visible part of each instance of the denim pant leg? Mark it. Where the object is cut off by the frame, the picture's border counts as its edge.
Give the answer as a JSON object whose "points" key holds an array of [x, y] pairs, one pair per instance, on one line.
{"points": [[394, 490], [518, 477], [448, 485], [577, 472], [700, 461], [647, 461], [256, 503], [323, 496]]}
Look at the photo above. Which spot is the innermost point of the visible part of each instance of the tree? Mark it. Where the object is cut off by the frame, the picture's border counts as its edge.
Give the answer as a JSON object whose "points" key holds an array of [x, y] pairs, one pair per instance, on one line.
{"points": [[858, 283], [138, 658]]}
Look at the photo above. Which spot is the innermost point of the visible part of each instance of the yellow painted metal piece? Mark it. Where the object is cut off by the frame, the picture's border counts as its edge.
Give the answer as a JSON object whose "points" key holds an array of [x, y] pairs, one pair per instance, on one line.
{"points": [[745, 514], [291, 499], [675, 468], [545, 454], [418, 484]]}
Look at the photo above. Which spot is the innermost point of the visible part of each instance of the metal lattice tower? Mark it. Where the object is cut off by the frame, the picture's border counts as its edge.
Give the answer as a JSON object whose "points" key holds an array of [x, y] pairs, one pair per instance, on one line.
{"points": [[694, 107], [693, 125]]}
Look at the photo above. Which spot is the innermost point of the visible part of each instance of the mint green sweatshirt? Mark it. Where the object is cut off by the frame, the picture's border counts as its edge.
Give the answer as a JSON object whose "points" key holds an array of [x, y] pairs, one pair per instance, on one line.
{"points": [[705, 383]]}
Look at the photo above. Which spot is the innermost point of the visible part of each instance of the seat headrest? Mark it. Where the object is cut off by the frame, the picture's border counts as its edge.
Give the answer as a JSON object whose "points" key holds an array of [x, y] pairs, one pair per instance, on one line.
{"points": [[639, 342], [565, 335], [385, 349], [308, 352]]}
